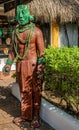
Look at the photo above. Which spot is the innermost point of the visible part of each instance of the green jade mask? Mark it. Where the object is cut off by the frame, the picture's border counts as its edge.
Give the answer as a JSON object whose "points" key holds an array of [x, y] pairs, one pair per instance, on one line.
{"points": [[24, 19], [23, 15]]}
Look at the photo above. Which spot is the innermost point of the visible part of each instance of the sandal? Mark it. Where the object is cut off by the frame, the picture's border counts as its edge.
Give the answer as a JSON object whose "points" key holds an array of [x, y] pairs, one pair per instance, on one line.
{"points": [[35, 123], [18, 120]]}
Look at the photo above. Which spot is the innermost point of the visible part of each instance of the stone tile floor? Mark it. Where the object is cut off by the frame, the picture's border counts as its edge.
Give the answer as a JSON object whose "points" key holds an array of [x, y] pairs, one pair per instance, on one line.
{"points": [[10, 108]]}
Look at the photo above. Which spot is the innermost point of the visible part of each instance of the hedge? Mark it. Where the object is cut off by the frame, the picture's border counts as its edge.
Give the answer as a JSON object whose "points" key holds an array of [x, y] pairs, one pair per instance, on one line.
{"points": [[62, 72]]}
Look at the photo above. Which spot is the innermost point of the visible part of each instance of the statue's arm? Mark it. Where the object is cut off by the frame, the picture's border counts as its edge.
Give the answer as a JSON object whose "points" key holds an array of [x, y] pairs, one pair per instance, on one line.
{"points": [[40, 42]]}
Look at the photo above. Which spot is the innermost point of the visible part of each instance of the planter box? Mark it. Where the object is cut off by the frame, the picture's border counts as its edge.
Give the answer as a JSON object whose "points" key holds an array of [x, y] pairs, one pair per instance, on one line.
{"points": [[52, 115]]}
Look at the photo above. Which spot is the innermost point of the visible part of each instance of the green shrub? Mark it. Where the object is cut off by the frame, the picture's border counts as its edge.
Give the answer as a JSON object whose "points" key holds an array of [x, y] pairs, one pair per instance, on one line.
{"points": [[62, 70]]}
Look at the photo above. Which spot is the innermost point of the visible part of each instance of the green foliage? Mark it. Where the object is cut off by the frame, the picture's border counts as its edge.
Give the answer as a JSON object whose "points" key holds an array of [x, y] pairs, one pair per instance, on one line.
{"points": [[62, 69]]}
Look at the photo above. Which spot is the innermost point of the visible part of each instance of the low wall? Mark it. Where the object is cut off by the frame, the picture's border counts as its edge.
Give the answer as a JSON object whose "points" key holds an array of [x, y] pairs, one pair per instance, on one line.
{"points": [[52, 115]]}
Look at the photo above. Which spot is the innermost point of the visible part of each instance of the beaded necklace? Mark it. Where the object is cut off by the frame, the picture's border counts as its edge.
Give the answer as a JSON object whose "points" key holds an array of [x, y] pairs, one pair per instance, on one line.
{"points": [[27, 42]]}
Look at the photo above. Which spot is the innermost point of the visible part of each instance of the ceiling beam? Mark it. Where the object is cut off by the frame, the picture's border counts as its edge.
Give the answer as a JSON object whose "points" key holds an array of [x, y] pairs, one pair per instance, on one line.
{"points": [[13, 4], [3, 1]]}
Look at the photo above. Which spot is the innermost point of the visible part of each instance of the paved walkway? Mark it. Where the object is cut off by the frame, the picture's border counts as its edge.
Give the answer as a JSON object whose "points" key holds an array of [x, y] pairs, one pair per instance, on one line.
{"points": [[10, 108]]}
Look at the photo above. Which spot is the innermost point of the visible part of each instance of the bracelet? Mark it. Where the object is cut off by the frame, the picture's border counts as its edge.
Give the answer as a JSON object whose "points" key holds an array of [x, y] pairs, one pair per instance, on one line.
{"points": [[9, 62], [41, 60]]}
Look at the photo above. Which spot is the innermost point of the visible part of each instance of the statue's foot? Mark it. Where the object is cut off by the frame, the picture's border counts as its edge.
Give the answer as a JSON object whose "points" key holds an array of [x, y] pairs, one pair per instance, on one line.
{"points": [[18, 120], [35, 123]]}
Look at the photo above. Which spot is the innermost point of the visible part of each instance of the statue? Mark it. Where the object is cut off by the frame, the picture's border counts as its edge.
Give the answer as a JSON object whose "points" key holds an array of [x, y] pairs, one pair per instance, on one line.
{"points": [[28, 52]]}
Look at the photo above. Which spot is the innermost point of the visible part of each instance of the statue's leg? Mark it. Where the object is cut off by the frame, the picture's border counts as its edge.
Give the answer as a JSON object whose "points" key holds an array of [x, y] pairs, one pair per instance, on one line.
{"points": [[37, 86]]}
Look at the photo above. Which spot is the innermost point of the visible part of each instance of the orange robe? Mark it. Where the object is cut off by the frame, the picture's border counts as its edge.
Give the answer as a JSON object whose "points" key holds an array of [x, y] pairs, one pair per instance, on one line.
{"points": [[30, 85]]}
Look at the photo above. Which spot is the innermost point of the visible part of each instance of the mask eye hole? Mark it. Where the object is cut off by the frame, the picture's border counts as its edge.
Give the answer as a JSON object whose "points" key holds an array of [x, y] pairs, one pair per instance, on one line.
{"points": [[23, 12]]}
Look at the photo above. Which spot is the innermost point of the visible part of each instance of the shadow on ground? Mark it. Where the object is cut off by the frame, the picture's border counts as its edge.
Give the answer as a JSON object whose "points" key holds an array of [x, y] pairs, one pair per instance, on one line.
{"points": [[11, 106], [8, 102]]}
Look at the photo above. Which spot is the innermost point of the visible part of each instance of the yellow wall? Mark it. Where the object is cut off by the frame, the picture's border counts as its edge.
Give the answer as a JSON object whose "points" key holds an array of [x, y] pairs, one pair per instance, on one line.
{"points": [[55, 33]]}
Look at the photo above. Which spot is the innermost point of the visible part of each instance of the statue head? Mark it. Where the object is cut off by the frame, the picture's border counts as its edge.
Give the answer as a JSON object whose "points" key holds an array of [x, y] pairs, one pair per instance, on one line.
{"points": [[23, 15]]}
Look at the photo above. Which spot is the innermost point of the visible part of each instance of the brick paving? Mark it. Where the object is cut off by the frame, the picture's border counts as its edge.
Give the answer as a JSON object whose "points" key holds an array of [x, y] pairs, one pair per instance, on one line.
{"points": [[10, 108]]}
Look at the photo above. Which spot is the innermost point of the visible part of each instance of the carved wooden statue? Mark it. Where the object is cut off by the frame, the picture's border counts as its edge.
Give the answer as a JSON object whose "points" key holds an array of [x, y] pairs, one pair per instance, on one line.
{"points": [[27, 51]]}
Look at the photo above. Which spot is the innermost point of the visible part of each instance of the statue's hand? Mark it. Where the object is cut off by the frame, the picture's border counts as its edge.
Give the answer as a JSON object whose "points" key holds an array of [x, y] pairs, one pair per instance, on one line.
{"points": [[40, 71], [6, 69], [40, 67]]}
